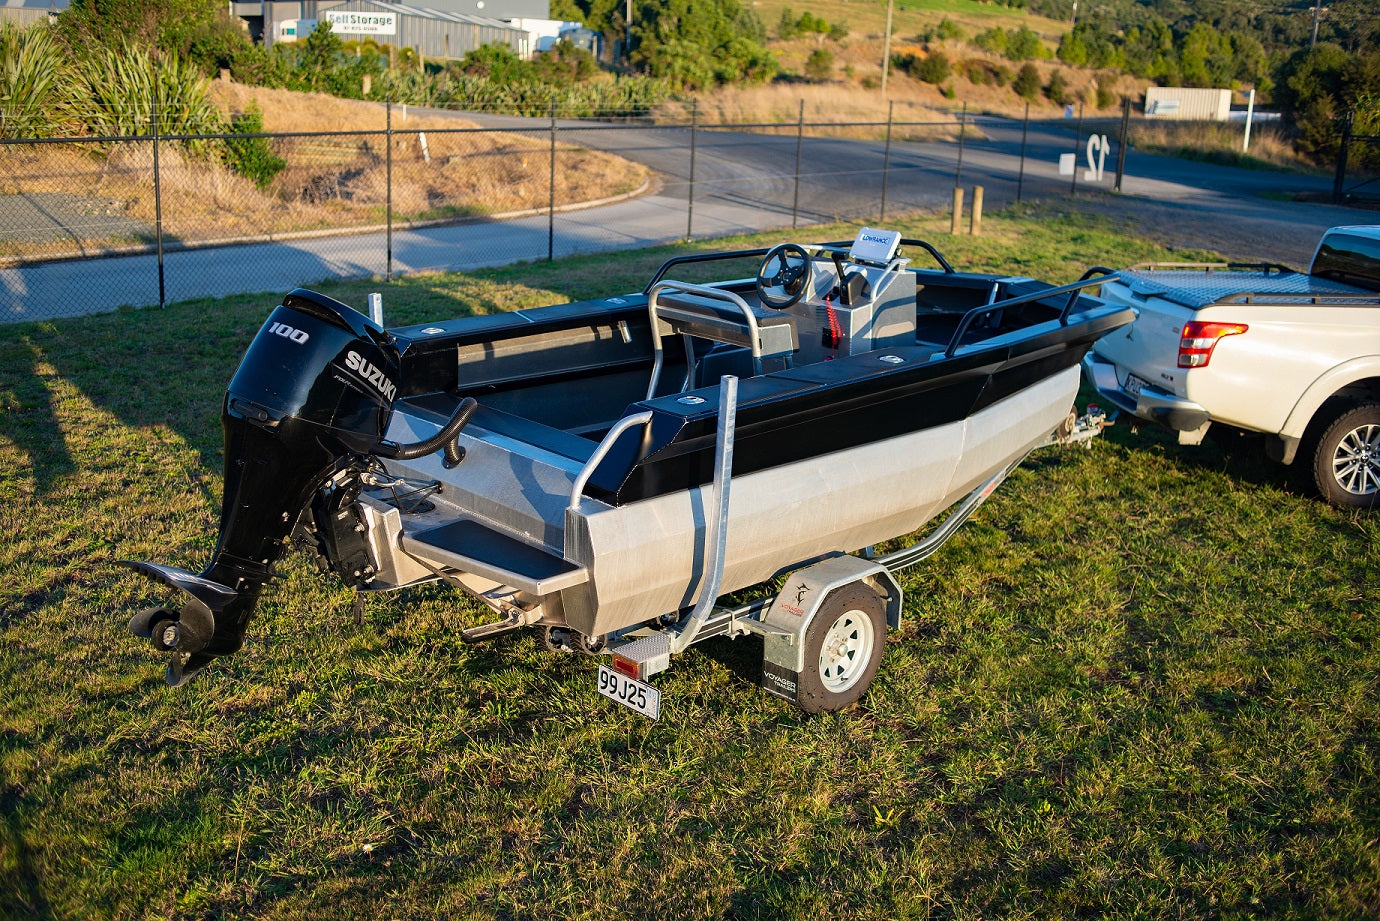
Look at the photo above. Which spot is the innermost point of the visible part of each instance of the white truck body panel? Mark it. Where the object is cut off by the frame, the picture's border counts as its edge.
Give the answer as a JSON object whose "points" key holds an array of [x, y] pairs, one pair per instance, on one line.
{"points": [[1308, 337]]}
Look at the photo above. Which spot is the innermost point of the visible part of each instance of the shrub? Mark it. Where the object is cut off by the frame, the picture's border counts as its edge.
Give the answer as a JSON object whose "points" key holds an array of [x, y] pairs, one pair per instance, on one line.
{"points": [[1027, 83], [819, 66], [786, 27], [1057, 89], [1024, 45], [1106, 92], [932, 68], [948, 29], [252, 158], [993, 40], [984, 73]]}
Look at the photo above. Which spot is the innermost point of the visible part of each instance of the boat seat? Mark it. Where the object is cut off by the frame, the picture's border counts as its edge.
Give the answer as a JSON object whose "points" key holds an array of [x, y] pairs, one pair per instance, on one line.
{"points": [[522, 429], [716, 315], [721, 321]]}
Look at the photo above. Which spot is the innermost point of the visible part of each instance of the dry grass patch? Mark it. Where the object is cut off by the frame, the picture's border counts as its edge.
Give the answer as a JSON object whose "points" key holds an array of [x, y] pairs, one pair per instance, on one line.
{"points": [[1219, 142], [442, 167]]}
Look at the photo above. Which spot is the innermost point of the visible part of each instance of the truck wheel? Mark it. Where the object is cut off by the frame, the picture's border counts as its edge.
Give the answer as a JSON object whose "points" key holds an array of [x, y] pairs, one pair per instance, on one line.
{"points": [[843, 647], [1346, 461]]}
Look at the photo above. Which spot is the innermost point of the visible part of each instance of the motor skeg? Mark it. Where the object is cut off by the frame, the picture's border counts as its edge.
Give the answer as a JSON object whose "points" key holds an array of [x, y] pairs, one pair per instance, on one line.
{"points": [[313, 395]]}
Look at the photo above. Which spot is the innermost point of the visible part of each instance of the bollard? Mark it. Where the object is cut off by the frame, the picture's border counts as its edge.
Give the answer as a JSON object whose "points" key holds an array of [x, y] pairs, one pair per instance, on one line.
{"points": [[975, 228], [956, 227]]}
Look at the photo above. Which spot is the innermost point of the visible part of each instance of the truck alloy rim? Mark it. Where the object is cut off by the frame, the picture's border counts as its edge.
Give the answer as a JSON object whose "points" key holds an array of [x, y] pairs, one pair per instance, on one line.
{"points": [[1356, 462], [846, 650]]}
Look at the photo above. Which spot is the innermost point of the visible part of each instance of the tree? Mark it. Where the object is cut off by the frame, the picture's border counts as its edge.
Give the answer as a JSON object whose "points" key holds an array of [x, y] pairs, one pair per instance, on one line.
{"points": [[1311, 94], [699, 43], [167, 25], [1206, 58]]}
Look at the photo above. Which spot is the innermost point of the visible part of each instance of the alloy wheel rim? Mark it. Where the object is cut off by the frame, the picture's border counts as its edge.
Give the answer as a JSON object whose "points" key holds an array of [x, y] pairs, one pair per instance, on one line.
{"points": [[1356, 461]]}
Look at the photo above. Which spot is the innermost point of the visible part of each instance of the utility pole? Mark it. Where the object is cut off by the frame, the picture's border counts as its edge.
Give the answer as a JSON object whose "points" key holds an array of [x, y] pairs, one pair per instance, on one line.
{"points": [[1317, 8], [886, 45]]}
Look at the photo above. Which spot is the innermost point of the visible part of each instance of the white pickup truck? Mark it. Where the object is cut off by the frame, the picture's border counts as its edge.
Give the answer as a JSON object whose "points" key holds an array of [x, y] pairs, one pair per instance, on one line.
{"points": [[1261, 348]]}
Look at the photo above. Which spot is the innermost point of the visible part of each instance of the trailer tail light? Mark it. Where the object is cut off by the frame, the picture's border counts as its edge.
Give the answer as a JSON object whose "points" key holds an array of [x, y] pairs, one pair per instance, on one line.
{"points": [[1199, 339], [626, 666]]}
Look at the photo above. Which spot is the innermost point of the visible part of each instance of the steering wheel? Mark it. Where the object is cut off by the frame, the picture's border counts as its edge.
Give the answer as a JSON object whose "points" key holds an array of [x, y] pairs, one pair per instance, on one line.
{"points": [[783, 278]]}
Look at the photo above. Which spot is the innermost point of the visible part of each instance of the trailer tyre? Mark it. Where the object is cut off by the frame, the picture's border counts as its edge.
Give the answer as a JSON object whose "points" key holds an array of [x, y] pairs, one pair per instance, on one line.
{"points": [[843, 648], [1346, 461]]}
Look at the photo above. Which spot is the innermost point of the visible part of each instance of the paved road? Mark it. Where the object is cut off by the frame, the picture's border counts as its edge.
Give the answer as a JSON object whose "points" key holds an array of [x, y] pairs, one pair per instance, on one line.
{"points": [[742, 182]]}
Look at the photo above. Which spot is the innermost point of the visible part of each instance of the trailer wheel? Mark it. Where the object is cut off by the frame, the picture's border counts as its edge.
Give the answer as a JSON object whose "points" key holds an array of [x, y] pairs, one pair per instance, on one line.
{"points": [[1346, 461], [843, 648]]}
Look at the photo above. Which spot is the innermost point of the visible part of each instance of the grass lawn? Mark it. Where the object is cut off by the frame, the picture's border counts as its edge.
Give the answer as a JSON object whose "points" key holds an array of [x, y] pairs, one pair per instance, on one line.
{"points": [[1140, 683]]}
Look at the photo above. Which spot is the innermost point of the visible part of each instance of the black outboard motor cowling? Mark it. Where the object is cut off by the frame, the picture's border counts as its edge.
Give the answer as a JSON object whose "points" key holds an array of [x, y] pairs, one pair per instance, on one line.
{"points": [[313, 396]]}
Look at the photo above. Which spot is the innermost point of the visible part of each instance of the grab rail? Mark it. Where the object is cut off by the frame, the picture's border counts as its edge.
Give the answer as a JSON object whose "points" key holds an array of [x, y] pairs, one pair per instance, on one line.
{"points": [[716, 294], [1072, 289], [699, 257], [595, 459]]}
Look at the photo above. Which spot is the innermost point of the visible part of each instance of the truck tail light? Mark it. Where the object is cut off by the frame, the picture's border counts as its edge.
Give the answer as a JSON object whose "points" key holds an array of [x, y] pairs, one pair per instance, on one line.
{"points": [[1199, 339]]}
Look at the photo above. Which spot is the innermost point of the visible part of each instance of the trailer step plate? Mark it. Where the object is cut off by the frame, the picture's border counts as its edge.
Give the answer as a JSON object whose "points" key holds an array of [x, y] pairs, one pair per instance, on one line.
{"points": [[631, 693]]}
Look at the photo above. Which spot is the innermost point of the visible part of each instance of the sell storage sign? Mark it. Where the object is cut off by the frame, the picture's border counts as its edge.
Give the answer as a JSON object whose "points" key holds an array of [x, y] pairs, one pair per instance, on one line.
{"points": [[348, 23]]}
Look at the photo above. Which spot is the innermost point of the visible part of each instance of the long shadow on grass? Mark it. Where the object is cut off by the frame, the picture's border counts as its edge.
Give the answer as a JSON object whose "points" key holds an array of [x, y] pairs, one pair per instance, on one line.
{"points": [[28, 411], [22, 896]]}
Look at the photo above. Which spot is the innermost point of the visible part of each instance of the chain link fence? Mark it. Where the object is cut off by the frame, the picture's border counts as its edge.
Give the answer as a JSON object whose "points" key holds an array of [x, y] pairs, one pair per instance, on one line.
{"points": [[94, 224]]}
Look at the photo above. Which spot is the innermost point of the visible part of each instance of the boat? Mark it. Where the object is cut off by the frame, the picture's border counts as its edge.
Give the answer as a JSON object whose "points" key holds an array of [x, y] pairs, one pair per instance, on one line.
{"points": [[607, 471]]}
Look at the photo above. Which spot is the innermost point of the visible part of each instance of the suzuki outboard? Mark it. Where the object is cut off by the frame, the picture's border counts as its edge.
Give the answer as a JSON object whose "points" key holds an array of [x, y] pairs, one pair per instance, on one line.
{"points": [[306, 410]]}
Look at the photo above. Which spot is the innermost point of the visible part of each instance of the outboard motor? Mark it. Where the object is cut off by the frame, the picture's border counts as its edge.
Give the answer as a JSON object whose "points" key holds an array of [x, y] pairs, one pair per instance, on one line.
{"points": [[312, 398]]}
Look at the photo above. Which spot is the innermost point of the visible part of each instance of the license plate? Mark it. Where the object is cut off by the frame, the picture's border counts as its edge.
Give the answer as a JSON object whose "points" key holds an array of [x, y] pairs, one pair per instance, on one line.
{"points": [[1134, 385], [631, 693]]}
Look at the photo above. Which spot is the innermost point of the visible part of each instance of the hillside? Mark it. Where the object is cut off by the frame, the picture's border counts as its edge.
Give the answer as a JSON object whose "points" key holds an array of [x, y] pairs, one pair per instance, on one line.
{"points": [[852, 89]]}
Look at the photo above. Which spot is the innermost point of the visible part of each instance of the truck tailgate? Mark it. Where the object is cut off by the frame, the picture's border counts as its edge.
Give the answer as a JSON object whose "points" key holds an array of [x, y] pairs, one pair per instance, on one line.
{"points": [[1147, 351]]}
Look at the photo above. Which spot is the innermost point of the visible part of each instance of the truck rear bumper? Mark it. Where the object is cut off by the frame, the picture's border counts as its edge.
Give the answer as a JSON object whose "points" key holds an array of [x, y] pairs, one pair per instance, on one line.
{"points": [[1184, 416]]}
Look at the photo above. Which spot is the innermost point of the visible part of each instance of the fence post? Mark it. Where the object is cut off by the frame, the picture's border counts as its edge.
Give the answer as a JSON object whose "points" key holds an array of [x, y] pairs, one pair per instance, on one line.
{"points": [[690, 200], [1343, 153], [388, 182], [962, 126], [158, 196], [551, 187], [1077, 139], [1121, 143], [1025, 133], [975, 225], [799, 133], [886, 157], [956, 222]]}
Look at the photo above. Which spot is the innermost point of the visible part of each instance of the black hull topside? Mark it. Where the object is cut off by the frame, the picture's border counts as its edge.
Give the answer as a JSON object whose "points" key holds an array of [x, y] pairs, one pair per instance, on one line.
{"points": [[783, 416]]}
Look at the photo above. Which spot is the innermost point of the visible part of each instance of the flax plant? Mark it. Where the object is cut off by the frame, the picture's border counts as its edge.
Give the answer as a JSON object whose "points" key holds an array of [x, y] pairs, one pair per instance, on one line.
{"points": [[117, 89], [35, 97]]}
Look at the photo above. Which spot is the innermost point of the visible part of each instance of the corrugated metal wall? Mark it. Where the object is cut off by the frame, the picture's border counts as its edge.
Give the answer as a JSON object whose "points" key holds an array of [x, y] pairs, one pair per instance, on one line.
{"points": [[432, 33], [1188, 103]]}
